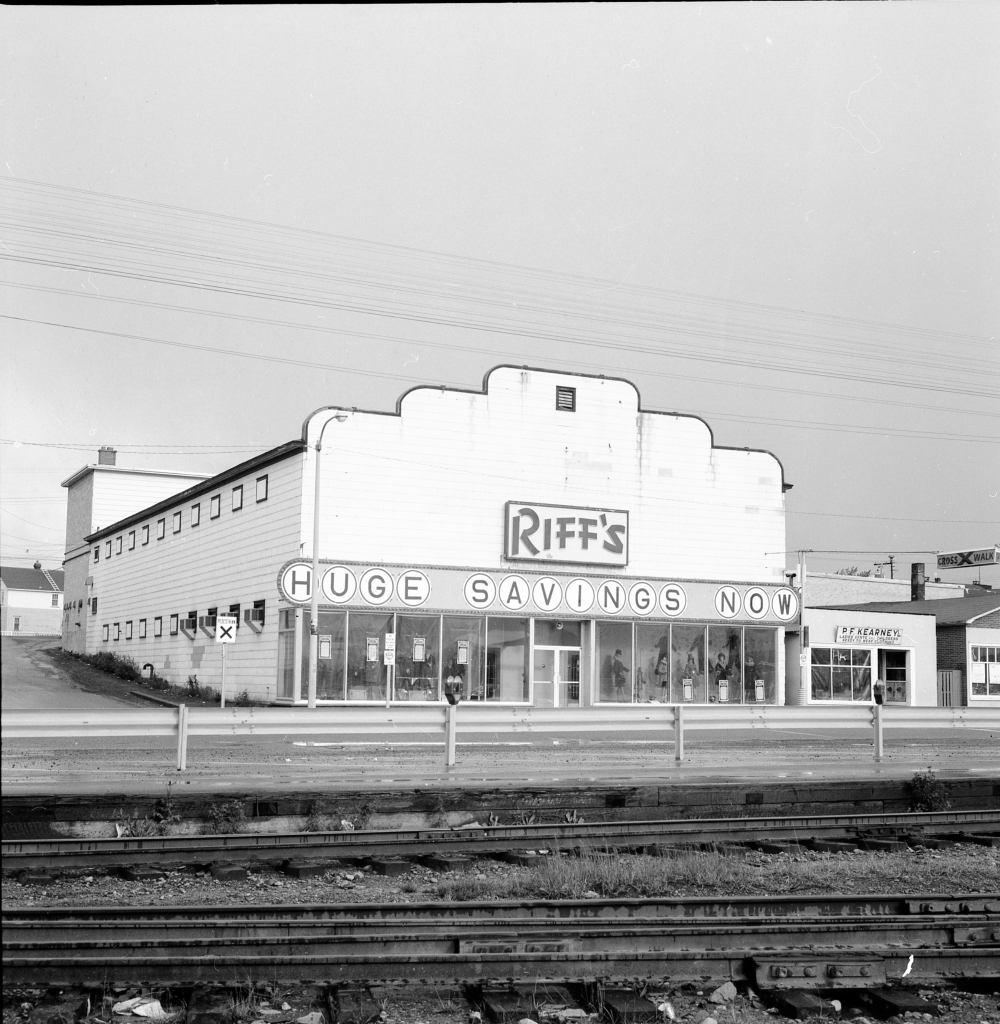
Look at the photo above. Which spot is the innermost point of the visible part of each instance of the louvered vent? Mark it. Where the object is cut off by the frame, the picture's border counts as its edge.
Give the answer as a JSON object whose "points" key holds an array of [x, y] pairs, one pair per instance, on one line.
{"points": [[566, 399]]}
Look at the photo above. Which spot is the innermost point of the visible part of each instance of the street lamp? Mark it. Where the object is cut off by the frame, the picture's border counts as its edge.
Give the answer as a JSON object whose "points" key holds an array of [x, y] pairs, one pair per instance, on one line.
{"points": [[340, 416]]}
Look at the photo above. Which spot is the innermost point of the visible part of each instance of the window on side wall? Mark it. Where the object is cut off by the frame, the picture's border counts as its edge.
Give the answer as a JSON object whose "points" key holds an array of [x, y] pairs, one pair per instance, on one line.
{"points": [[145, 534], [93, 606], [55, 600], [262, 488], [104, 632], [196, 514], [142, 629], [158, 626], [118, 545], [97, 553], [131, 540], [177, 522], [173, 624], [215, 506], [237, 497], [107, 549], [128, 630], [161, 529], [118, 631]]}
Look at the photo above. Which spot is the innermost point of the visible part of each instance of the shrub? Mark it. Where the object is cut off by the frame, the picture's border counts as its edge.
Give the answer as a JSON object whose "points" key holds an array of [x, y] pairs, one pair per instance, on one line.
{"points": [[242, 699], [193, 686], [116, 664], [228, 817], [927, 792]]}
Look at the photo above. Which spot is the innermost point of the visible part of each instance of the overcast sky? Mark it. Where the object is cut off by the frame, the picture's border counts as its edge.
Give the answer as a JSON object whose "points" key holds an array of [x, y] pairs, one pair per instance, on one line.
{"points": [[781, 217]]}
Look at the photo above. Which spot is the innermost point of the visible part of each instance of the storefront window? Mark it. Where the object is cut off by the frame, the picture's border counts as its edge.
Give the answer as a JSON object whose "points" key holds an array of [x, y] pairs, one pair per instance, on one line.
{"points": [[286, 654], [366, 673], [984, 674], [760, 659], [688, 679], [417, 657], [725, 678], [652, 662], [462, 656], [331, 651], [841, 673], [507, 659], [614, 662]]}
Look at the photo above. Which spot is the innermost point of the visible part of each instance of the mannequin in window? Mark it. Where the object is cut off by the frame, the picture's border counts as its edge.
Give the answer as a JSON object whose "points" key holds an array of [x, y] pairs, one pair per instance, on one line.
{"points": [[618, 674]]}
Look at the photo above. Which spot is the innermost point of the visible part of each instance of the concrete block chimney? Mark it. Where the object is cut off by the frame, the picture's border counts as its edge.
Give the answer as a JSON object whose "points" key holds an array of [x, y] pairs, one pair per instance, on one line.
{"points": [[918, 581], [106, 456]]}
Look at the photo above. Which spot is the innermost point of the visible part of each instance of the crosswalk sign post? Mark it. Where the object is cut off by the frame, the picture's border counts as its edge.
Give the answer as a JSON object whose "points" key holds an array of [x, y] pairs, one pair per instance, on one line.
{"points": [[225, 634]]}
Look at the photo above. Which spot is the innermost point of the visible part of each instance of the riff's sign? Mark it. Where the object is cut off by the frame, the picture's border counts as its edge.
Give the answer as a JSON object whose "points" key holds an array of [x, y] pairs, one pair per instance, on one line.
{"points": [[965, 559], [558, 533], [868, 635]]}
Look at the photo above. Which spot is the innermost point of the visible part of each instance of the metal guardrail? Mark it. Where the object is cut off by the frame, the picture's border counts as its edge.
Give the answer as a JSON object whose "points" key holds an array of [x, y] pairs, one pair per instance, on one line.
{"points": [[445, 724]]}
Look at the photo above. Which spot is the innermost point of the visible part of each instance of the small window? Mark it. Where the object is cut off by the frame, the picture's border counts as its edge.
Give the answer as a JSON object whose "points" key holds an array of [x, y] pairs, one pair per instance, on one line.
{"points": [[118, 631], [145, 534], [161, 529], [566, 399], [128, 630], [158, 626], [238, 497], [97, 553], [118, 545], [142, 629], [234, 609], [177, 522], [195, 514], [93, 606], [173, 624], [107, 549], [104, 632], [258, 607], [55, 600], [215, 506], [131, 540], [262, 488]]}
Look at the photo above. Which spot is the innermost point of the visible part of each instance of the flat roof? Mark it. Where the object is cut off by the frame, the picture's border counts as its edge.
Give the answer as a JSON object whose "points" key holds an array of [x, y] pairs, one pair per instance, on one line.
{"points": [[949, 611], [83, 471]]}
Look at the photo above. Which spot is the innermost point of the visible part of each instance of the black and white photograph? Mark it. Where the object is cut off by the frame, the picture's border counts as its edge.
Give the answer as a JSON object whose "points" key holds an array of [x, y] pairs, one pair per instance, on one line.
{"points": [[500, 513]]}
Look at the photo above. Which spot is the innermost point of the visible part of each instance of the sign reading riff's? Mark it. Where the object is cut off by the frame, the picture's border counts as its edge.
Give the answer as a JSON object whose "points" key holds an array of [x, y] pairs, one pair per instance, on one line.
{"points": [[557, 533]]}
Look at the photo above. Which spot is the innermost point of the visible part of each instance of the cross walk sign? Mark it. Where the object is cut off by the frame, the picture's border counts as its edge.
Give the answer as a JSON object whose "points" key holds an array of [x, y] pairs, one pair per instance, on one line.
{"points": [[225, 629]]}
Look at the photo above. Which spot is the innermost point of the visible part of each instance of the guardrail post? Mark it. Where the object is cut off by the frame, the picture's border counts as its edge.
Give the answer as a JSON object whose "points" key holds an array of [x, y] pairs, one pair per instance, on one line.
{"points": [[678, 733], [877, 723], [449, 735], [182, 737]]}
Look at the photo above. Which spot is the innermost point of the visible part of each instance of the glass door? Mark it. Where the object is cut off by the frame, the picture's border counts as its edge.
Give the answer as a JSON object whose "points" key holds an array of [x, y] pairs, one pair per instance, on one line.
{"points": [[556, 677]]}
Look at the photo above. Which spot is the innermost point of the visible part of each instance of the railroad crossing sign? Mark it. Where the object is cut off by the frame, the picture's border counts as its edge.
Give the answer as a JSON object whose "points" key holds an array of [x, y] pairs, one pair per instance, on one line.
{"points": [[968, 559], [225, 629]]}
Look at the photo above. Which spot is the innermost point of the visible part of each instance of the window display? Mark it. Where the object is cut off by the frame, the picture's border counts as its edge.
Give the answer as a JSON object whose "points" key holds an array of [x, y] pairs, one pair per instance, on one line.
{"points": [[417, 657], [652, 662], [331, 651], [614, 662], [366, 680], [462, 656], [688, 680], [760, 659], [725, 680], [841, 673]]}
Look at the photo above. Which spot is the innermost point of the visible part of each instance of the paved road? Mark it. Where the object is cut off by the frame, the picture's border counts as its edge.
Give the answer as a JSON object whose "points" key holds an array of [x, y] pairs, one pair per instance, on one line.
{"points": [[33, 682]]}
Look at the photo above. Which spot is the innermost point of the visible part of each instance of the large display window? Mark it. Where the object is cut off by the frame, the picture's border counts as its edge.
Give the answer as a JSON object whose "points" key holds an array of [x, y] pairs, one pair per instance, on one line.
{"points": [[507, 669], [841, 673], [725, 658], [462, 647], [418, 657], [984, 671], [760, 665], [614, 662], [367, 675], [688, 678]]}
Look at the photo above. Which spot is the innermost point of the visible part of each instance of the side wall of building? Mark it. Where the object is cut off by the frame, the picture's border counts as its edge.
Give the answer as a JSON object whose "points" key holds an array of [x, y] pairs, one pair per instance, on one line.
{"points": [[30, 610], [225, 560], [832, 588]]}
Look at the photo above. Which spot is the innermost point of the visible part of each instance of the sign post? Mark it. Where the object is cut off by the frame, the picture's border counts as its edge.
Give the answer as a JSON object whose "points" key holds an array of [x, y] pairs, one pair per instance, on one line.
{"points": [[225, 634], [390, 663]]}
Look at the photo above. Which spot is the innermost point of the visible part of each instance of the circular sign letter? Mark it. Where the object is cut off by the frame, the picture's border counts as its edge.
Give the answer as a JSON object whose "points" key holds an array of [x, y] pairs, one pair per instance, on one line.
{"points": [[296, 582], [756, 603], [785, 604], [338, 584], [376, 586], [611, 597], [413, 588], [547, 594], [514, 592], [642, 598], [727, 602], [480, 590], [579, 595], [673, 599]]}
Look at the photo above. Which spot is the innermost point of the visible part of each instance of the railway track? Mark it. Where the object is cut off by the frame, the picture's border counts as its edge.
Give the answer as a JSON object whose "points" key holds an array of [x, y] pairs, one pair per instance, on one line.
{"points": [[163, 851], [841, 941]]}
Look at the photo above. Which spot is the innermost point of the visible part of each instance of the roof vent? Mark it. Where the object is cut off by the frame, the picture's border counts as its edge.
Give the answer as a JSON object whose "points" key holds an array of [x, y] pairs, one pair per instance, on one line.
{"points": [[37, 565], [106, 456]]}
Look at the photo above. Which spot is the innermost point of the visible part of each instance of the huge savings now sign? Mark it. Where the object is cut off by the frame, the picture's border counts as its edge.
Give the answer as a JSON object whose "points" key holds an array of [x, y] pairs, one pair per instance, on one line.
{"points": [[559, 533]]}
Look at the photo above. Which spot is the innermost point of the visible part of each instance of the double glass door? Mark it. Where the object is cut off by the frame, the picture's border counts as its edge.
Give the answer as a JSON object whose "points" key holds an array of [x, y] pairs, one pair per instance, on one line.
{"points": [[556, 677]]}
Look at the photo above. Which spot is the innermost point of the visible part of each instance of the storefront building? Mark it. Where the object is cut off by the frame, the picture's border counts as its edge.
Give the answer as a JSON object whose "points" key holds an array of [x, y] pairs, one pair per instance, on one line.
{"points": [[543, 541], [847, 649]]}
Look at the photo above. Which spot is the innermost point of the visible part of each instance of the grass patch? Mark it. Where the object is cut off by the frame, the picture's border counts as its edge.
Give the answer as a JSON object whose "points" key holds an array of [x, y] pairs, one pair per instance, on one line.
{"points": [[964, 870]]}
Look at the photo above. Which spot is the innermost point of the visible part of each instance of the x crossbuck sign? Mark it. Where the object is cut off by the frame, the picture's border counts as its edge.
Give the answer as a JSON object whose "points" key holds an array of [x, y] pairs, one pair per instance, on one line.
{"points": [[225, 629]]}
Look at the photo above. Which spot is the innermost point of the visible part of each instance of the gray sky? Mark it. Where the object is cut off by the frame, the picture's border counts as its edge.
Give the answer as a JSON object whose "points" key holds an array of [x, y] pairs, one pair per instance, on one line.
{"points": [[781, 217]]}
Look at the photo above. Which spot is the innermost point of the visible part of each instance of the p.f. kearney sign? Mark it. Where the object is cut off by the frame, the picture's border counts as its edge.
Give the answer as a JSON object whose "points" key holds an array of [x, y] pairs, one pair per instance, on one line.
{"points": [[868, 635], [560, 533]]}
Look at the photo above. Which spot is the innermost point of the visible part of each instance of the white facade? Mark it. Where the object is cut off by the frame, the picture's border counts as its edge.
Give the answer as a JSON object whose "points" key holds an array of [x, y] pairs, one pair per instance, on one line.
{"points": [[848, 649], [428, 492]]}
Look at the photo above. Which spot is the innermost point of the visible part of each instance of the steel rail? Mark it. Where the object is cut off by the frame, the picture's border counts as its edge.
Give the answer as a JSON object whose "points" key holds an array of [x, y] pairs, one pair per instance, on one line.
{"points": [[249, 847]]}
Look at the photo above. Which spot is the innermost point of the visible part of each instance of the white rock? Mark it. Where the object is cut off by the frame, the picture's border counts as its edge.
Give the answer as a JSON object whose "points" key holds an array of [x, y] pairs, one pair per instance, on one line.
{"points": [[724, 993], [311, 1018], [835, 1003]]}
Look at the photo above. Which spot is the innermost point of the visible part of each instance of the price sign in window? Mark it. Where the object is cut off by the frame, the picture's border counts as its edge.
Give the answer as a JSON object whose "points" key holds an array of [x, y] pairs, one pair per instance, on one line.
{"points": [[372, 648], [325, 646], [463, 652], [419, 648]]}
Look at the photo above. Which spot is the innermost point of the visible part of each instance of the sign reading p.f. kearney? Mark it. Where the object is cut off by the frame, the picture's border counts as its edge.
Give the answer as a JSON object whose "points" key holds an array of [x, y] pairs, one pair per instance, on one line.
{"points": [[558, 533], [868, 635]]}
